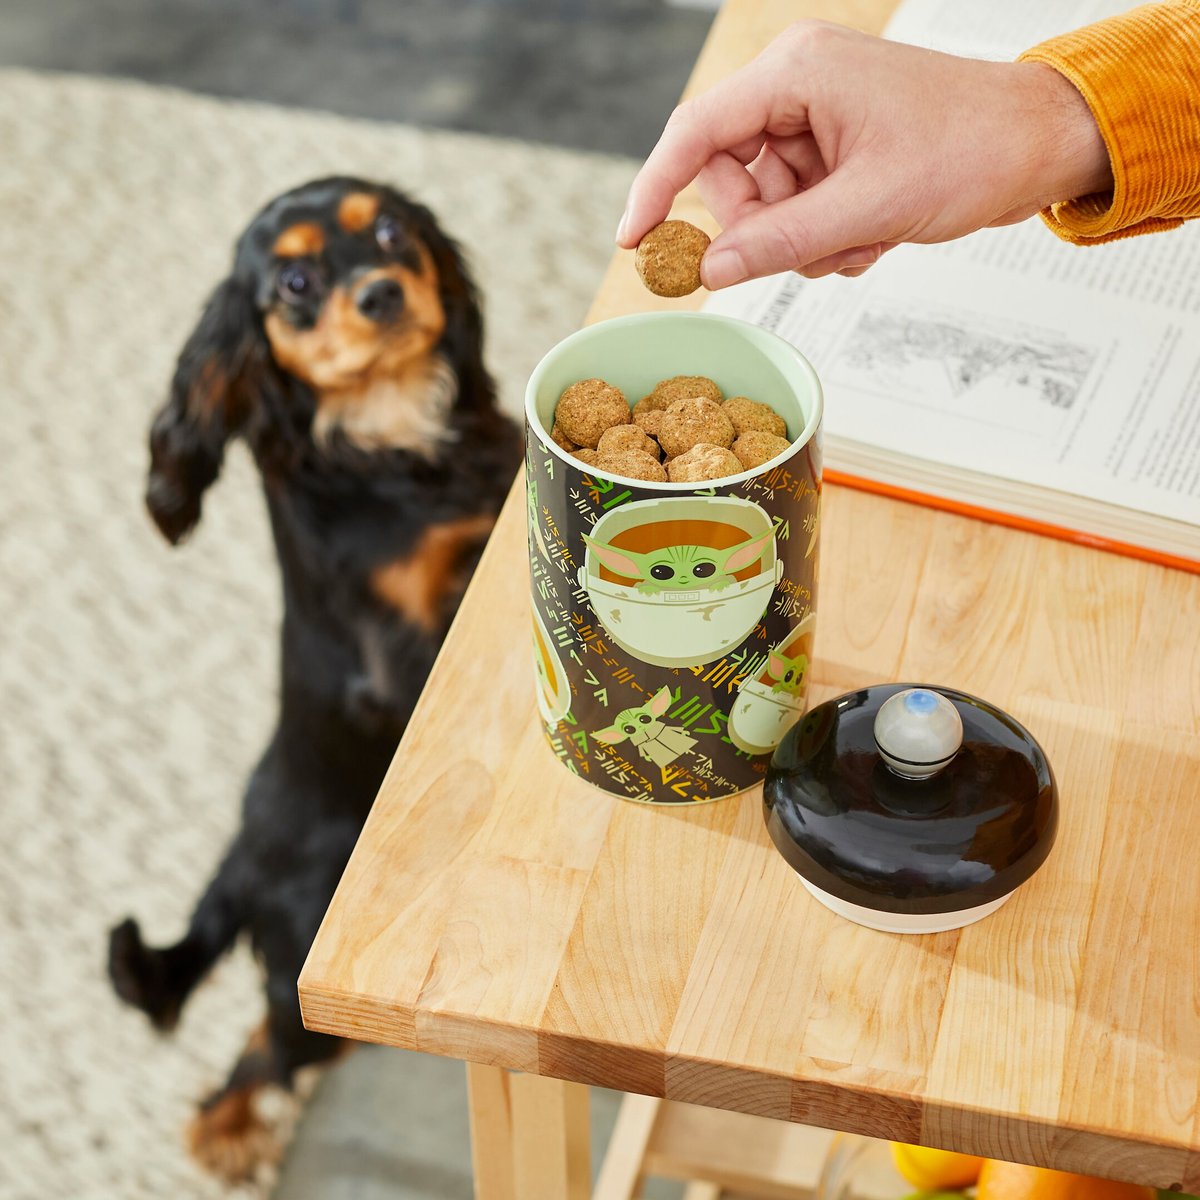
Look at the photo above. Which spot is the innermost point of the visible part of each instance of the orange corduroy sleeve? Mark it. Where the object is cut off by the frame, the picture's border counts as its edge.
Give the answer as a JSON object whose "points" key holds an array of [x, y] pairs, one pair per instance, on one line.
{"points": [[1140, 75]]}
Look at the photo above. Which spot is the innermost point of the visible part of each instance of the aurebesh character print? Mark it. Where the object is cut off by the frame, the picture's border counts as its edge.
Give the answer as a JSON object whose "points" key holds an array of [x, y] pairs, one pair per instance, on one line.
{"points": [[666, 612]]}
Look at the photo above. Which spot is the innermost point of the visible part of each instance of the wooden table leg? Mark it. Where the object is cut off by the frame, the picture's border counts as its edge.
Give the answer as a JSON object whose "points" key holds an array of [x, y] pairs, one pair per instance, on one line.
{"points": [[624, 1164], [551, 1151], [529, 1136], [491, 1132]]}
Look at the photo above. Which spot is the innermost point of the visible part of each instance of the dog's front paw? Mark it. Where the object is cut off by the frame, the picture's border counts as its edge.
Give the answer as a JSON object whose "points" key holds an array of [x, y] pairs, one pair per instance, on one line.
{"points": [[140, 976], [229, 1139]]}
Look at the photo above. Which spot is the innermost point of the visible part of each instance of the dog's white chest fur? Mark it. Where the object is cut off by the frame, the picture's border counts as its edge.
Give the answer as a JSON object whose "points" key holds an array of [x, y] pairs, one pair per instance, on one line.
{"points": [[407, 411]]}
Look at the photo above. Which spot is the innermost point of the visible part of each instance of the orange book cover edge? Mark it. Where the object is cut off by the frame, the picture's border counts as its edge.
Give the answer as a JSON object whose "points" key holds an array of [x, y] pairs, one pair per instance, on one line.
{"points": [[1026, 524]]}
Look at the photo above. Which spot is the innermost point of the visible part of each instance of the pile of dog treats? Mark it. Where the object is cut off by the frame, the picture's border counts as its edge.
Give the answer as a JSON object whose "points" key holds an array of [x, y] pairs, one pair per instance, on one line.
{"points": [[684, 431]]}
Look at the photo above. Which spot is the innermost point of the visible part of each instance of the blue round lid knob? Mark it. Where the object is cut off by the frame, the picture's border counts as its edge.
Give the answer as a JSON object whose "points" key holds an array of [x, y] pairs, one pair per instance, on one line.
{"points": [[918, 731]]}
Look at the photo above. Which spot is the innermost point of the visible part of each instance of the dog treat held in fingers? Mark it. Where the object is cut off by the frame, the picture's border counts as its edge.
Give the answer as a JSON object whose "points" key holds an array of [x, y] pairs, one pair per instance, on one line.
{"points": [[754, 448], [587, 408], [703, 462], [634, 464], [668, 258], [627, 437], [749, 415], [689, 422]]}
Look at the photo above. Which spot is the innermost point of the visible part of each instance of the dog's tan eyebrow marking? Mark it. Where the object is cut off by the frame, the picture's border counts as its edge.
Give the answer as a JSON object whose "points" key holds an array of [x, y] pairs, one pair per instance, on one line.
{"points": [[299, 240], [357, 210]]}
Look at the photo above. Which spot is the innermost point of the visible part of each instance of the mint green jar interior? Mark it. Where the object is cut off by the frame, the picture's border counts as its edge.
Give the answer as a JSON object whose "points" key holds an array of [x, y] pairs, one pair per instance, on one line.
{"points": [[633, 353]]}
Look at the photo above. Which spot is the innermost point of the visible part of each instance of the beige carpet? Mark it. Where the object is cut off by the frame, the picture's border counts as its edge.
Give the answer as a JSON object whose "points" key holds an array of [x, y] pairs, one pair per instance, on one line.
{"points": [[136, 684]]}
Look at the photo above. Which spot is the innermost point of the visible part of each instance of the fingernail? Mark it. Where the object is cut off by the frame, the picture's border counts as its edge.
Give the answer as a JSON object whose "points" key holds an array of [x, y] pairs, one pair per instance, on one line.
{"points": [[863, 260], [723, 267], [622, 225]]}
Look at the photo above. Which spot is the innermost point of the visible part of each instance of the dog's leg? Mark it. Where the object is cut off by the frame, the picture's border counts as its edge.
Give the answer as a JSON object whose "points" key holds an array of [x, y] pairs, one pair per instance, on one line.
{"points": [[158, 981], [228, 1136]]}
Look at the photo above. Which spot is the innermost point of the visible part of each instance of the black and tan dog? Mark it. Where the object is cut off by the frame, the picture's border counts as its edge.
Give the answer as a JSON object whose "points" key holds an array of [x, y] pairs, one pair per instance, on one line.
{"points": [[345, 350]]}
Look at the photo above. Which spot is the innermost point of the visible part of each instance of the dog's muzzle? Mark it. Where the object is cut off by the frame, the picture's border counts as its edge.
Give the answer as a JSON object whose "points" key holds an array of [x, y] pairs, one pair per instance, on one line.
{"points": [[381, 300]]}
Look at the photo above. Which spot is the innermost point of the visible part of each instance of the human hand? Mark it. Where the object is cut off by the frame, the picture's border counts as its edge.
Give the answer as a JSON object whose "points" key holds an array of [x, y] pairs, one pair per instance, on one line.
{"points": [[834, 146]]}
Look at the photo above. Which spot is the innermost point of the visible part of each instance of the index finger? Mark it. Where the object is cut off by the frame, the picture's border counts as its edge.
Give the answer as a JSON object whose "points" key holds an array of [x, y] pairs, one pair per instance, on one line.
{"points": [[732, 112]]}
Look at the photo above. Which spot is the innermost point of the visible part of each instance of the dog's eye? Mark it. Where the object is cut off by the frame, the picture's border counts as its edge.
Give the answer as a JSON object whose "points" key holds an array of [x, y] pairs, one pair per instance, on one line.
{"points": [[387, 232], [296, 282]]}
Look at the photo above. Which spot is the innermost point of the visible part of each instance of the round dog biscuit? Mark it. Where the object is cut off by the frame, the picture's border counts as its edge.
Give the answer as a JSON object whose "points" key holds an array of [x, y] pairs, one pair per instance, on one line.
{"points": [[587, 408], [668, 258], [689, 422], [653, 403], [627, 437], [633, 464], [703, 462], [749, 415], [561, 440], [681, 387], [753, 448], [650, 422]]}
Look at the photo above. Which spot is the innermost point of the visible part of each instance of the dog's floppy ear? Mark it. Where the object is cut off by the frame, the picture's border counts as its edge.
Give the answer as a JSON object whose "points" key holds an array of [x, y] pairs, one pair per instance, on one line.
{"points": [[205, 408], [463, 339]]}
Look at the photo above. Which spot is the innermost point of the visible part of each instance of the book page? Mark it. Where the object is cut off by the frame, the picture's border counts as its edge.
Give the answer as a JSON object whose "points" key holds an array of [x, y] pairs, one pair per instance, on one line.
{"points": [[993, 30], [1010, 352]]}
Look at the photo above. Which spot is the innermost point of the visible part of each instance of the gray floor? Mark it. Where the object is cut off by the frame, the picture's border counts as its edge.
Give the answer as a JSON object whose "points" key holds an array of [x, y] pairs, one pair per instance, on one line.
{"points": [[387, 1125], [592, 74], [390, 1125]]}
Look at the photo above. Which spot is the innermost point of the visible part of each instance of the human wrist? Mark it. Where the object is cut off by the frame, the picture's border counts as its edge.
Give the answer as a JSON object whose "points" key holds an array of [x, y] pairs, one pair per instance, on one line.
{"points": [[1070, 157]]}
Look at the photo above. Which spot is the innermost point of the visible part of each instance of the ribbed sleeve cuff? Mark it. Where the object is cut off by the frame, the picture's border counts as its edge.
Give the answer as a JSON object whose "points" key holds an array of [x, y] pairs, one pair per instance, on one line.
{"points": [[1140, 75]]}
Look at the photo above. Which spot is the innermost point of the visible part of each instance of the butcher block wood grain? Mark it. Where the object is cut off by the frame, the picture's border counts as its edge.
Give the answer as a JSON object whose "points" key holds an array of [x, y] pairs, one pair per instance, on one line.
{"points": [[501, 911]]}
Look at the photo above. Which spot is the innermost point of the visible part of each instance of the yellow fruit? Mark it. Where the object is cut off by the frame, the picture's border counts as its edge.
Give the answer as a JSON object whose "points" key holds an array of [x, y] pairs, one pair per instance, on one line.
{"points": [[931, 1170], [1011, 1181]]}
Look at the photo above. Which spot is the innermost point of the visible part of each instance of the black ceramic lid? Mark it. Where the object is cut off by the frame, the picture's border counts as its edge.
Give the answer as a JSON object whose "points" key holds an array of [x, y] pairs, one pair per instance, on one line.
{"points": [[851, 827]]}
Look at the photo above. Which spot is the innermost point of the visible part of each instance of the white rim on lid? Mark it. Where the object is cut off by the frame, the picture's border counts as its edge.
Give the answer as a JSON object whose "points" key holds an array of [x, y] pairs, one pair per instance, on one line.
{"points": [[888, 922]]}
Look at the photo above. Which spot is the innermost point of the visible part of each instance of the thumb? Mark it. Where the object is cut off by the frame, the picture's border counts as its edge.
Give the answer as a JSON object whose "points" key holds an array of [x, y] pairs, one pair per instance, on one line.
{"points": [[836, 214]]}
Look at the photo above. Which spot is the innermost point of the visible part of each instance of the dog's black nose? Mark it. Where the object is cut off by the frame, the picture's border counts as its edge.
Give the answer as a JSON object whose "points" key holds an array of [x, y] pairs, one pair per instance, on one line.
{"points": [[381, 300]]}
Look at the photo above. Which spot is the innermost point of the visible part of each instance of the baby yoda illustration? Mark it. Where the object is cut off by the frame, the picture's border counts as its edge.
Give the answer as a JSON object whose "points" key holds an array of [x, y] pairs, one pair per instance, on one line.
{"points": [[656, 742], [682, 568], [788, 673]]}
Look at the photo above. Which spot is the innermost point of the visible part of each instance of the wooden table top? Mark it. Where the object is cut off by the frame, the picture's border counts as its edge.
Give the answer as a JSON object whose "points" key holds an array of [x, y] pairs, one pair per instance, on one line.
{"points": [[498, 909]]}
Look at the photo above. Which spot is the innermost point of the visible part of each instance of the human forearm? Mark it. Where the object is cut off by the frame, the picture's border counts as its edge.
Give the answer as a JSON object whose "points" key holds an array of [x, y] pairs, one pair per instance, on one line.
{"points": [[1139, 74]]}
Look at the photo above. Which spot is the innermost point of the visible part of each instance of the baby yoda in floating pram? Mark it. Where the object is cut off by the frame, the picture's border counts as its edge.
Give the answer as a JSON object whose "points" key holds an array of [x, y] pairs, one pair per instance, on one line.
{"points": [[788, 673], [682, 568], [656, 742], [679, 581]]}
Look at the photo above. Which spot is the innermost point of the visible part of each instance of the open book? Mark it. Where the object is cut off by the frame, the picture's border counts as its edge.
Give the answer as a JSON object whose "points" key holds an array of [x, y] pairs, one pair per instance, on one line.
{"points": [[1010, 375]]}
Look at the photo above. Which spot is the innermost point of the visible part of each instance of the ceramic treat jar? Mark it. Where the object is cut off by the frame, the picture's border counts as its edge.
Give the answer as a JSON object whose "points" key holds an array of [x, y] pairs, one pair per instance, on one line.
{"points": [[673, 690]]}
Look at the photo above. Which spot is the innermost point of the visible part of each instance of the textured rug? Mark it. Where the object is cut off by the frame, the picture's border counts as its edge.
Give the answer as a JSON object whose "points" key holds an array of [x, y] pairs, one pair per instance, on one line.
{"points": [[137, 683]]}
